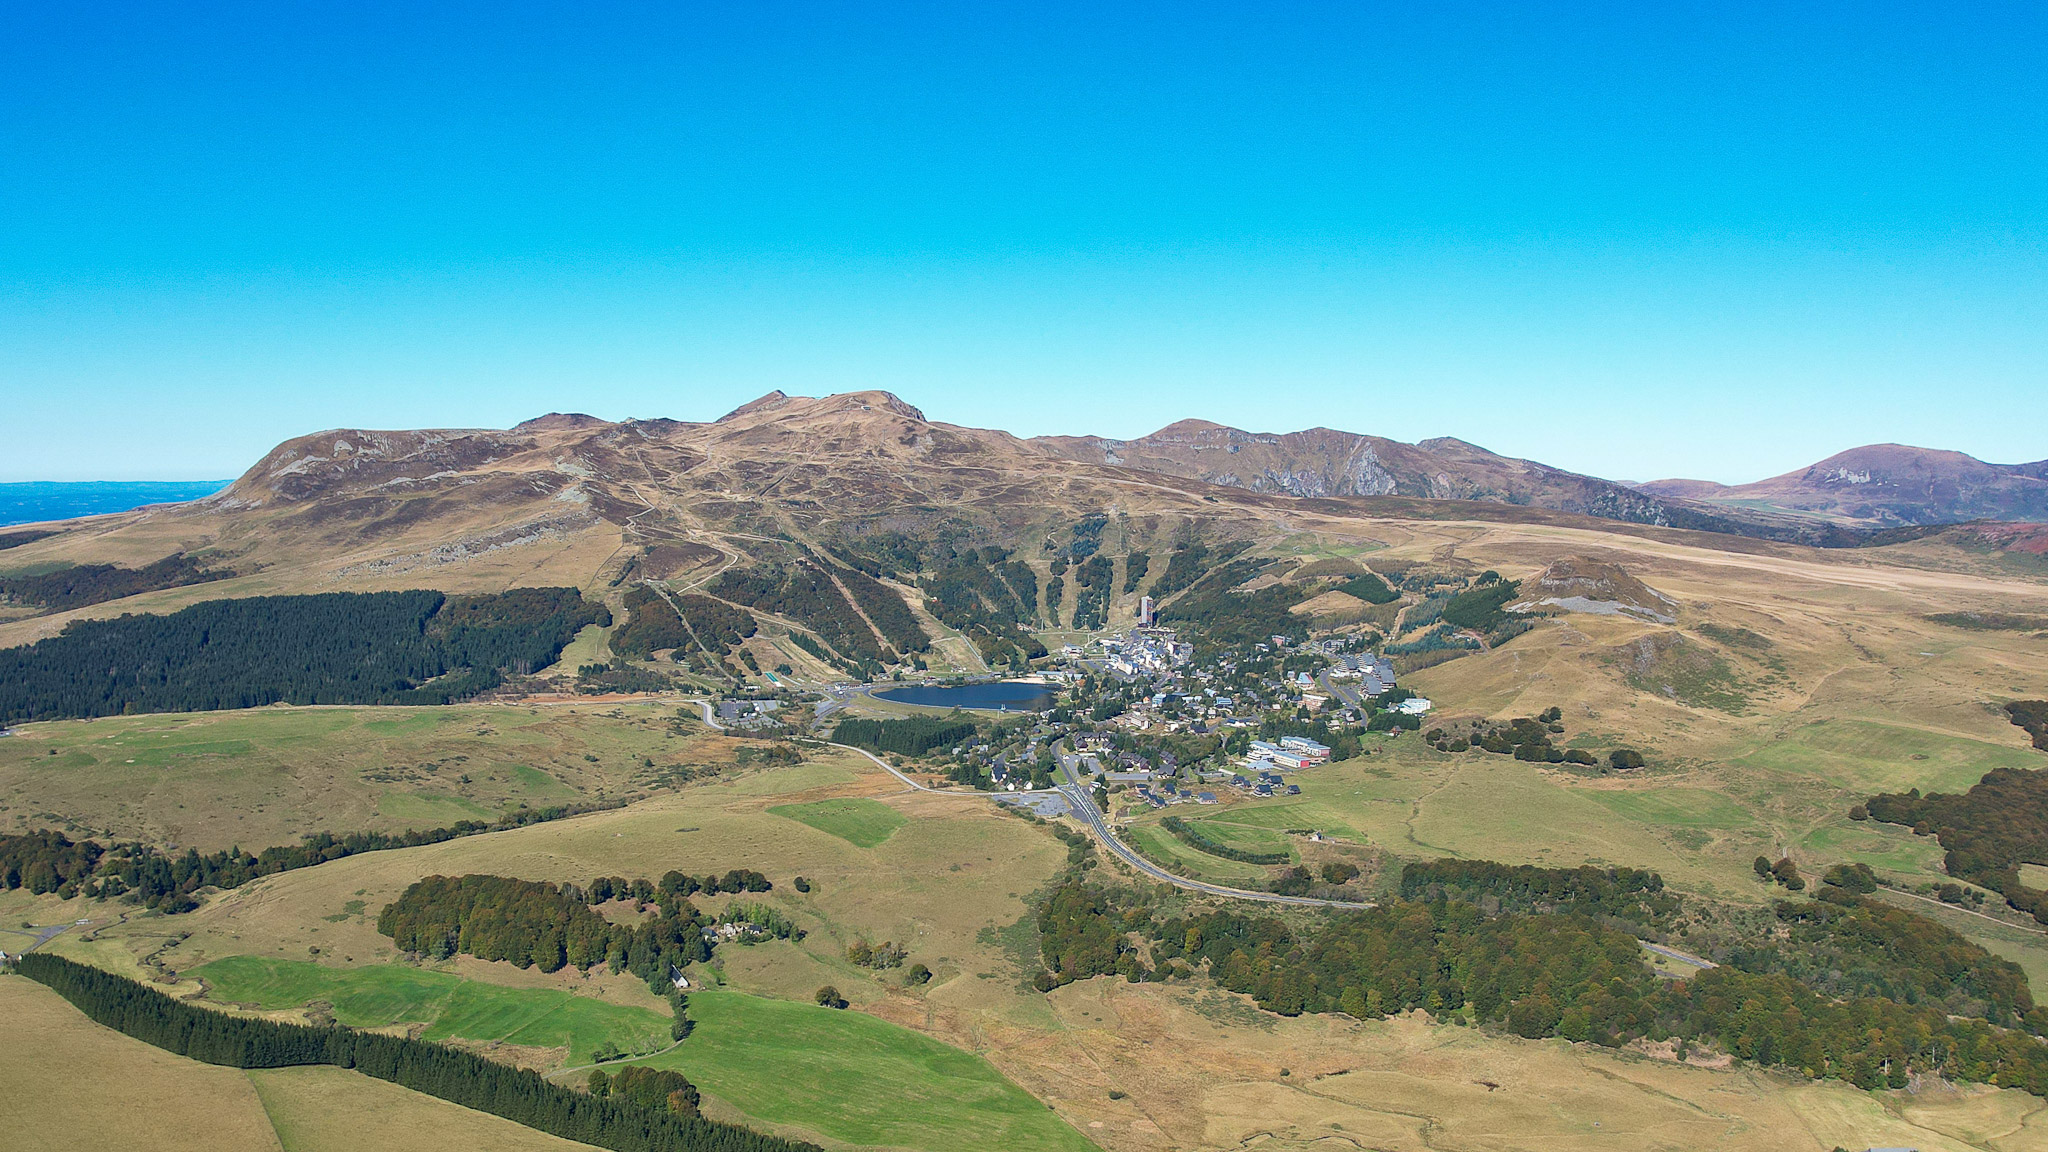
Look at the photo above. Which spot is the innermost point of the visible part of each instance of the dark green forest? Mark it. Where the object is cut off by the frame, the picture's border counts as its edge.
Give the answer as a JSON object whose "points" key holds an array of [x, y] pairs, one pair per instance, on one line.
{"points": [[1369, 588], [85, 584], [913, 736], [421, 647], [620, 1122], [1988, 832], [1093, 580], [652, 624], [803, 592]]}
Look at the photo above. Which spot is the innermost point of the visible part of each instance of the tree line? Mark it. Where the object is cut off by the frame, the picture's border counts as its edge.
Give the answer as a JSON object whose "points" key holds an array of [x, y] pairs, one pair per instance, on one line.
{"points": [[1194, 837], [911, 736], [805, 593], [652, 623], [80, 585], [1988, 832], [420, 647], [45, 860], [622, 1122], [1844, 987]]}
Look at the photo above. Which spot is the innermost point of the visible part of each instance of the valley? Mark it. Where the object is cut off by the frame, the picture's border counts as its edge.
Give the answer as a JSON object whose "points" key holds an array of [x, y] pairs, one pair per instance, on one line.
{"points": [[802, 547]]}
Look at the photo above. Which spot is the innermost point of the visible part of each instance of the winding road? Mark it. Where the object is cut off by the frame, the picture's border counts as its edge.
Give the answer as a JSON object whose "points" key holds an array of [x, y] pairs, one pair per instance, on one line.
{"points": [[1077, 798]]}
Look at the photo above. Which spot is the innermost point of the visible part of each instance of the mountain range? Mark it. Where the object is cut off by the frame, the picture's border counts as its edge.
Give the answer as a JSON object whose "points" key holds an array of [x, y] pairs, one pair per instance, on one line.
{"points": [[570, 498], [1884, 485]]}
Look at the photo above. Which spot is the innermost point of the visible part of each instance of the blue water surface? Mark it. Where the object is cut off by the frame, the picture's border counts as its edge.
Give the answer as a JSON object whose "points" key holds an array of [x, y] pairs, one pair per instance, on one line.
{"points": [[1003, 695], [36, 500]]}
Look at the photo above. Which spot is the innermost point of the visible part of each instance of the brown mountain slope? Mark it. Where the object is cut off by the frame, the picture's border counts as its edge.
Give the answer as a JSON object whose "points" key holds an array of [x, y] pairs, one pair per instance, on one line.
{"points": [[1887, 484], [1324, 462], [569, 499]]}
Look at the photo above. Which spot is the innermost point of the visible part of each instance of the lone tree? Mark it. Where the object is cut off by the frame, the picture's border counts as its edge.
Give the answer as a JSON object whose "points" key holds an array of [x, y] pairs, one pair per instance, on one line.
{"points": [[829, 997]]}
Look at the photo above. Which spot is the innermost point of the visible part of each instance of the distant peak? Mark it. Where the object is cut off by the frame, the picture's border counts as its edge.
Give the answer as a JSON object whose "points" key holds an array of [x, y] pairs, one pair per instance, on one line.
{"points": [[771, 401], [1190, 428], [556, 420], [778, 401]]}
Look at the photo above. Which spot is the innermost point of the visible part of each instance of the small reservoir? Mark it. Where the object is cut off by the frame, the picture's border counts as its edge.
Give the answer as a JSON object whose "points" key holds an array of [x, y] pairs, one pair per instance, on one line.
{"points": [[1001, 696]]}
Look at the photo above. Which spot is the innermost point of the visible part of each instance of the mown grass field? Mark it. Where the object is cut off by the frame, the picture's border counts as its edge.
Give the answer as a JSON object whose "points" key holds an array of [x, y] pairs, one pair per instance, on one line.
{"points": [[860, 822], [857, 1080], [68, 1083], [323, 1109], [267, 775], [451, 1007]]}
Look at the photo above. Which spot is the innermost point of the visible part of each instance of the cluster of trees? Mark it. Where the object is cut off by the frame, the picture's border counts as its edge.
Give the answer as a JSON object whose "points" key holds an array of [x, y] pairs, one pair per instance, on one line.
{"points": [[652, 624], [1629, 897], [420, 647], [1369, 588], [1094, 580], [46, 861], [25, 536], [619, 676], [1973, 621], [621, 1123], [912, 736], [1528, 738], [898, 624], [1845, 987], [83, 584], [2031, 715], [1783, 872], [1189, 563], [1081, 935], [655, 1089], [989, 598], [1194, 837], [542, 925], [1843, 945], [1482, 607], [1135, 566], [1085, 537], [887, 954], [1988, 832], [804, 592], [1233, 619]]}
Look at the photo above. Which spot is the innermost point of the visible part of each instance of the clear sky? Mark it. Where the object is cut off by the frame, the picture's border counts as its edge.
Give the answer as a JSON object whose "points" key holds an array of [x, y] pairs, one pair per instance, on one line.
{"points": [[1637, 240]]}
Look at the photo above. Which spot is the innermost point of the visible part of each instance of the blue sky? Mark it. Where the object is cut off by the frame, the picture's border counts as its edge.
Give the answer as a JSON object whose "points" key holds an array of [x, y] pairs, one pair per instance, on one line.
{"points": [[1634, 240]]}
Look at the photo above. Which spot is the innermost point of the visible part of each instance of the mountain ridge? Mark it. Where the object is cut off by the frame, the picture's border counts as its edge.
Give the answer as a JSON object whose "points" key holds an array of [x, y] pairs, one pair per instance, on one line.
{"points": [[1886, 485]]}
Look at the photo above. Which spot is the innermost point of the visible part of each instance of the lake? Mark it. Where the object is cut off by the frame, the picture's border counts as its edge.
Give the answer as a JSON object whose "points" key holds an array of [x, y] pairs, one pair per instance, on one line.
{"points": [[1003, 695]]}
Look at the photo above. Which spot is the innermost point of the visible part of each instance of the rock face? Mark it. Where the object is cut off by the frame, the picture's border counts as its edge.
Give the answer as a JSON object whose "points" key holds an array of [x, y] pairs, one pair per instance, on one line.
{"points": [[1583, 584], [1885, 485]]}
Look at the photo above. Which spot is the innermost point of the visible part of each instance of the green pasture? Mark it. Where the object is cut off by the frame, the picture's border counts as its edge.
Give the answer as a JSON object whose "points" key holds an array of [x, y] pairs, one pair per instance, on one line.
{"points": [[859, 821], [1868, 756], [856, 1079], [264, 776], [451, 1007], [1160, 845]]}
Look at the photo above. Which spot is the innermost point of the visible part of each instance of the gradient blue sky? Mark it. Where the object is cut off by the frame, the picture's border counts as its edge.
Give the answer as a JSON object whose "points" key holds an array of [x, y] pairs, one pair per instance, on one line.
{"points": [[1633, 240]]}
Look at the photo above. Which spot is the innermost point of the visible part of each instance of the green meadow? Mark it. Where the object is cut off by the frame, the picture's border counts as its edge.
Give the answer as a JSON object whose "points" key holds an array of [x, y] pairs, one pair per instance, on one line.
{"points": [[450, 1007], [858, 821], [855, 1079]]}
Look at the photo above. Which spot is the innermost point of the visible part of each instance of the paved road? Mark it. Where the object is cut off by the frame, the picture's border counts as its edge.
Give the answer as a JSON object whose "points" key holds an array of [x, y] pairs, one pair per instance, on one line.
{"points": [[1083, 804], [1681, 957], [43, 935]]}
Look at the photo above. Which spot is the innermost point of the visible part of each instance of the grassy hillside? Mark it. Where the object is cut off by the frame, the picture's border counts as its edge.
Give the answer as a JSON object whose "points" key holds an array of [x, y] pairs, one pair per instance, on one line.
{"points": [[856, 1080], [262, 777]]}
